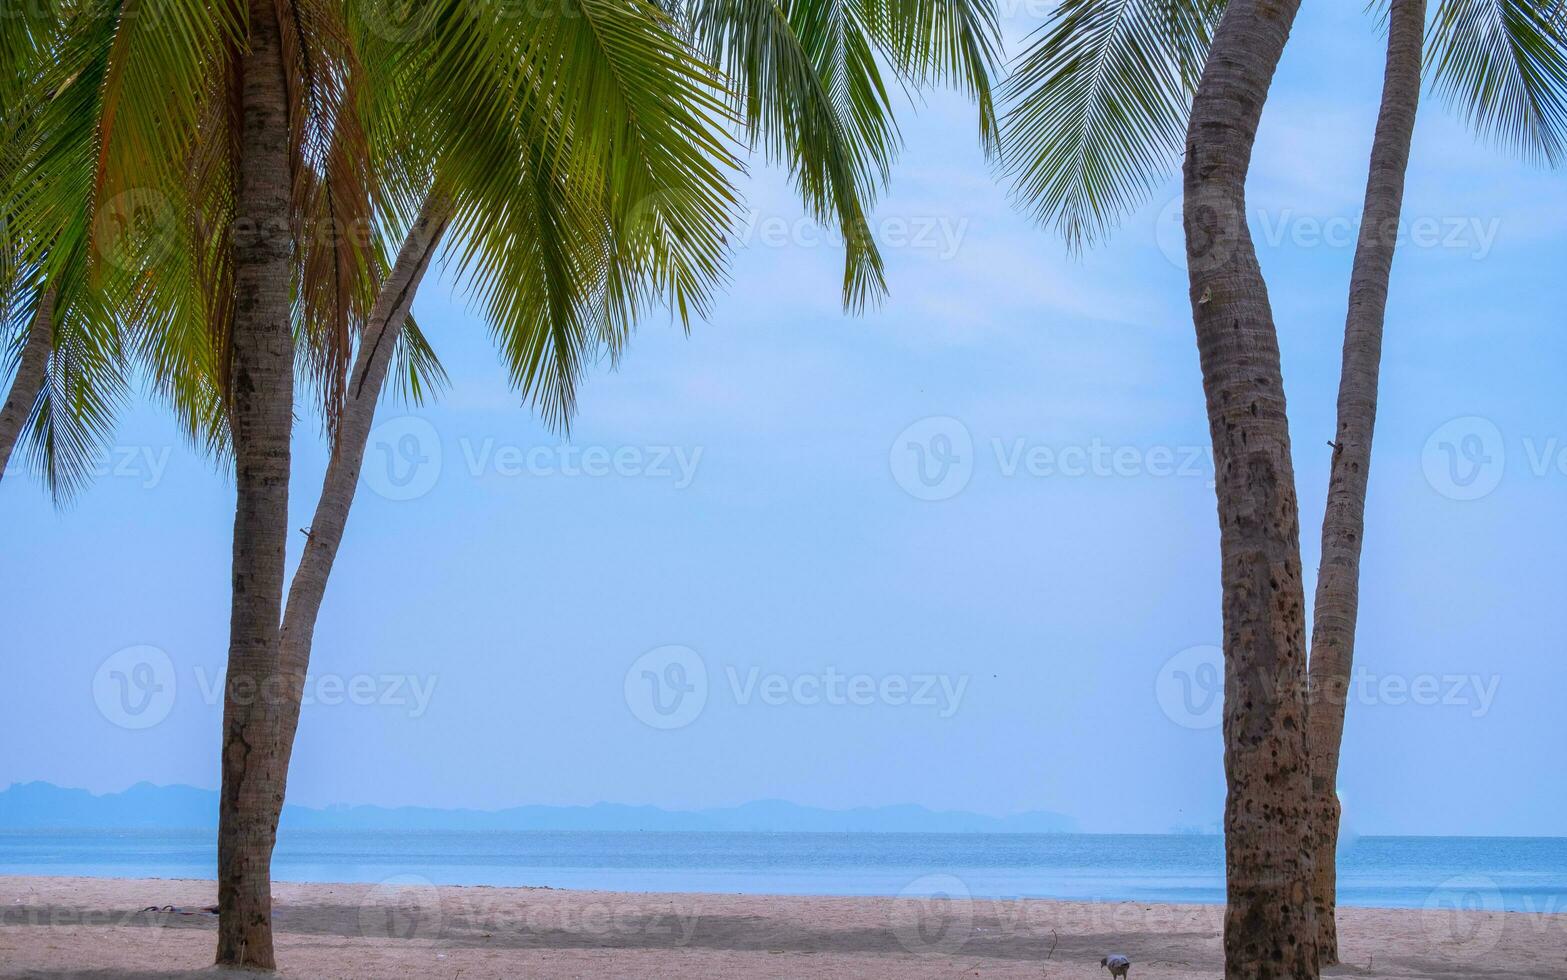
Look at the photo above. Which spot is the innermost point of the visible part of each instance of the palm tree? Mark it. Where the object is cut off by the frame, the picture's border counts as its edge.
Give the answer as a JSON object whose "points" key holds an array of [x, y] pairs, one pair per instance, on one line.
{"points": [[215, 114], [260, 396], [1099, 109], [537, 137], [1505, 66], [1338, 575], [577, 158], [1270, 923]]}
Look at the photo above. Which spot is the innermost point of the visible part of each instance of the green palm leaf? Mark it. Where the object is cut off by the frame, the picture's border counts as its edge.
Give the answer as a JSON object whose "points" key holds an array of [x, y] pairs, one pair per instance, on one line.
{"points": [[1502, 65], [811, 96], [936, 42], [72, 422], [1097, 106], [585, 157]]}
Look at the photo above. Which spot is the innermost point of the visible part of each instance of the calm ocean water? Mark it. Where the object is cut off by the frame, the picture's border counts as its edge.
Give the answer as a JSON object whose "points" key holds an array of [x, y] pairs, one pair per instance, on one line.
{"points": [[1518, 874]]}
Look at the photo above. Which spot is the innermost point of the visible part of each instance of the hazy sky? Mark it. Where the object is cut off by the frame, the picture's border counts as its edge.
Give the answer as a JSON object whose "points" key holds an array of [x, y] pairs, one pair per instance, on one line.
{"points": [[1023, 618]]}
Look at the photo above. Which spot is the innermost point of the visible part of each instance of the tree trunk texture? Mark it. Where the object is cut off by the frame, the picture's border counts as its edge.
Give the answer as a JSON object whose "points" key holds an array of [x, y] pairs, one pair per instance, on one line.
{"points": [[1338, 578], [261, 412], [371, 364], [31, 372], [1269, 928]]}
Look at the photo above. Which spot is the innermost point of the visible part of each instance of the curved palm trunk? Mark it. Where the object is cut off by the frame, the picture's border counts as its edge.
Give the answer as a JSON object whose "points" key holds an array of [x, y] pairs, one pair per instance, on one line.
{"points": [[1338, 579], [31, 372], [1269, 928], [261, 411], [371, 365]]}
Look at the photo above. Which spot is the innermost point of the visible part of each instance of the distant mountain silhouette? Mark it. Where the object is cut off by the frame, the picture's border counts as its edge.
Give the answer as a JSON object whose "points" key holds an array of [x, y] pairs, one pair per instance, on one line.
{"points": [[41, 806]]}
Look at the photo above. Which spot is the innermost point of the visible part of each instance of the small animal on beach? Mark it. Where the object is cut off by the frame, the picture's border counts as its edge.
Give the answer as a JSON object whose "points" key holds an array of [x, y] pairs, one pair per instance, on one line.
{"points": [[1117, 964]]}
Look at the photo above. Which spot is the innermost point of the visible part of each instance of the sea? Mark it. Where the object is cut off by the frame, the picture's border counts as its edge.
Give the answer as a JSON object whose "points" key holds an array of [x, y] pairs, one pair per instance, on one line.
{"points": [[1510, 873]]}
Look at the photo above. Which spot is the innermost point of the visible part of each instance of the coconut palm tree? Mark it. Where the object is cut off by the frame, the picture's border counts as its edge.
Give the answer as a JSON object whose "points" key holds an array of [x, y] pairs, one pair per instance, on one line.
{"points": [[577, 161], [533, 139], [578, 166], [1504, 66], [239, 138], [1270, 923], [1338, 575], [1100, 103]]}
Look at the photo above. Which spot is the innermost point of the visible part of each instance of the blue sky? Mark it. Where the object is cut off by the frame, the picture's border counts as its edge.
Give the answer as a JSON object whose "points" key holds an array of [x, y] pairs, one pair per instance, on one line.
{"points": [[1039, 637]]}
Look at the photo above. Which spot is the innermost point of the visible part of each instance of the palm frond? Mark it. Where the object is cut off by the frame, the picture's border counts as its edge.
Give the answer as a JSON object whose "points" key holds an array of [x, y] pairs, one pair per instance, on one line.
{"points": [[332, 196], [811, 96], [163, 54], [52, 238], [417, 374], [1502, 65], [934, 42], [585, 156], [26, 31], [1096, 108], [72, 422]]}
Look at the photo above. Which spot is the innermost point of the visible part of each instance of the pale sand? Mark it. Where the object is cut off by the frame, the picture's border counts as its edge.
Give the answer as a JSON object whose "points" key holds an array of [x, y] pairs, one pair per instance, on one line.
{"points": [[92, 927]]}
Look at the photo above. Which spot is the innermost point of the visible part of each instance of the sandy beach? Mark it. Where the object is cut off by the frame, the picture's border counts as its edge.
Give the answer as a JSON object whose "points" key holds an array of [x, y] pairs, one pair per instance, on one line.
{"points": [[405, 928]]}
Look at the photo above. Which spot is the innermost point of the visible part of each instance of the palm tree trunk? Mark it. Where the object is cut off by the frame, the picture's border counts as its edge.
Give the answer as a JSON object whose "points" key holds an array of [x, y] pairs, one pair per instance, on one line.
{"points": [[261, 411], [1338, 578], [31, 372], [371, 365], [1269, 927]]}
